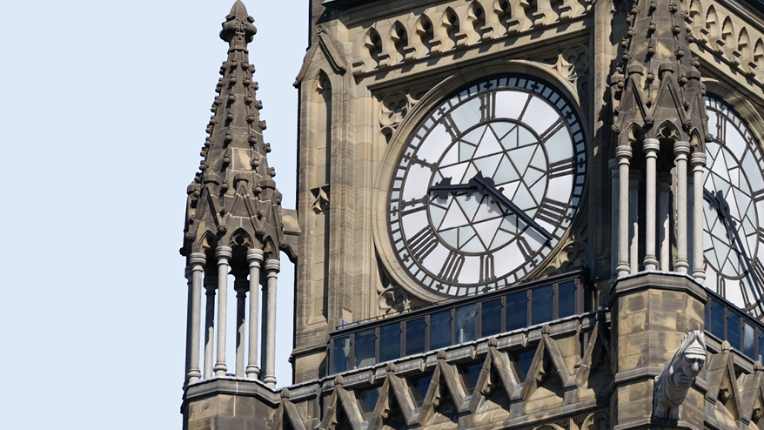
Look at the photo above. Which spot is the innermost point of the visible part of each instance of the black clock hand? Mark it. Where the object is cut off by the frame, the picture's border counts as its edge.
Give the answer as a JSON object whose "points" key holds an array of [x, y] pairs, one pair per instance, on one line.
{"points": [[720, 204], [486, 187]]}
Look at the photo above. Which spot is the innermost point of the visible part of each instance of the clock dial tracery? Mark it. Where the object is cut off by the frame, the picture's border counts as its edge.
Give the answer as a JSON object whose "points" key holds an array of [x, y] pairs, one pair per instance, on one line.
{"points": [[733, 210], [486, 186]]}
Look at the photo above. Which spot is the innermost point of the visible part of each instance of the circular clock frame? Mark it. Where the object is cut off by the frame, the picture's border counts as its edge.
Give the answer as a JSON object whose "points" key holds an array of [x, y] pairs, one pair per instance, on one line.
{"points": [[538, 87], [733, 208]]}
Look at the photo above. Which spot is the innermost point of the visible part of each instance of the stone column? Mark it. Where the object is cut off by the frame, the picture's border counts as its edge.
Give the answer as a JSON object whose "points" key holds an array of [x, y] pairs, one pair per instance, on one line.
{"points": [[651, 148], [664, 223], [241, 286], [698, 163], [210, 283], [254, 258], [193, 320], [269, 320], [613, 166], [681, 152], [634, 178], [223, 253], [623, 154]]}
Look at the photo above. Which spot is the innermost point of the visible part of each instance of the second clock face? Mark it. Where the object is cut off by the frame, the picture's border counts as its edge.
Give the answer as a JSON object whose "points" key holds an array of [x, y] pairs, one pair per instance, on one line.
{"points": [[486, 186]]}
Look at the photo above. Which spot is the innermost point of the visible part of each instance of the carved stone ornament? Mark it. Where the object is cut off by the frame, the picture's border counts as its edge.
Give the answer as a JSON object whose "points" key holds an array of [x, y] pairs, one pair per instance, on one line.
{"points": [[395, 106], [672, 385]]}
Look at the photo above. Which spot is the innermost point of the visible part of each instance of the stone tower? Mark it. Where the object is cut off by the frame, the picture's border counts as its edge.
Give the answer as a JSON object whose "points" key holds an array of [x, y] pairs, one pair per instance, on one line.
{"points": [[511, 214]]}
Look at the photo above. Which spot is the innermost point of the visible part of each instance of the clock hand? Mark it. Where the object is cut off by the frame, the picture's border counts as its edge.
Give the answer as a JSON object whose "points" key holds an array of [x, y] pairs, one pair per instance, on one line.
{"points": [[486, 186], [443, 188]]}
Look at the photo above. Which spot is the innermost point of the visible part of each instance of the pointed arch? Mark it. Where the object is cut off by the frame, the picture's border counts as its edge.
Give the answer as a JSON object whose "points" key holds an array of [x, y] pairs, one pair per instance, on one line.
{"points": [[241, 238], [207, 241], [502, 8], [758, 54], [712, 31], [477, 16], [372, 42], [399, 38]]}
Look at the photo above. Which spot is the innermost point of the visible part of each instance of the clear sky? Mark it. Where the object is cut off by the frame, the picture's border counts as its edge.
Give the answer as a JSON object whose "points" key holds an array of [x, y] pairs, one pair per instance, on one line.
{"points": [[103, 113]]}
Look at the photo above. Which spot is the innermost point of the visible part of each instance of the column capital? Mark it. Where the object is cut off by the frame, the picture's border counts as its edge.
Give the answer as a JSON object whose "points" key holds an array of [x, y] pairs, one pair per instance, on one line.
{"points": [[698, 159], [197, 260], [681, 148], [222, 252], [623, 153], [272, 266], [254, 256], [651, 146]]}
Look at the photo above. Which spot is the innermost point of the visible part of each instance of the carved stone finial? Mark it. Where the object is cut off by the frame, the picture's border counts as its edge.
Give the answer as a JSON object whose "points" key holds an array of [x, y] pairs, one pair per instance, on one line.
{"points": [[237, 28], [441, 354], [672, 385]]}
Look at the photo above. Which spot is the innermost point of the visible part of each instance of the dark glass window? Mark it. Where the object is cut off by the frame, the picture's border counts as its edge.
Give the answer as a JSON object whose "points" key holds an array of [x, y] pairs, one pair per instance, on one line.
{"points": [[490, 317], [517, 310], [470, 374], [748, 341], [364, 348], [566, 305], [415, 336], [440, 329], [761, 347], [367, 399], [466, 323], [717, 319], [733, 330], [389, 342], [341, 355], [522, 361], [419, 388], [541, 304]]}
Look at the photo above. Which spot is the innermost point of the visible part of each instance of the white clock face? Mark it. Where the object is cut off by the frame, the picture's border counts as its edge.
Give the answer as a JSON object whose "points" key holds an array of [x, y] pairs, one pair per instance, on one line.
{"points": [[733, 210], [486, 186]]}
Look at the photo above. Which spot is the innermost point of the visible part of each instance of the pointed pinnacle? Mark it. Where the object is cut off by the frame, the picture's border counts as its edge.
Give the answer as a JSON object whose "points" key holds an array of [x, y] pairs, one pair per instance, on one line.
{"points": [[237, 28]]}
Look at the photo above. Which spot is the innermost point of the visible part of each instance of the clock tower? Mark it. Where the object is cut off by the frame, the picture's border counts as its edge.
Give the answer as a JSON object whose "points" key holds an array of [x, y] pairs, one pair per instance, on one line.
{"points": [[510, 214]]}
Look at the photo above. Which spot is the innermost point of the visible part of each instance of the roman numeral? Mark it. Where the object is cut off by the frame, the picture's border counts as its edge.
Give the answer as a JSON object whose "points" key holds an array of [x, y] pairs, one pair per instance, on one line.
{"points": [[412, 206], [526, 250], [551, 130], [486, 268], [487, 106], [423, 243], [553, 212], [449, 124], [452, 267], [561, 168]]}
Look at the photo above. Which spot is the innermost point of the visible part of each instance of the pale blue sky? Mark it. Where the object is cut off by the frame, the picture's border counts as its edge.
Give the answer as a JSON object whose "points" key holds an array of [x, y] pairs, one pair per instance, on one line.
{"points": [[104, 109]]}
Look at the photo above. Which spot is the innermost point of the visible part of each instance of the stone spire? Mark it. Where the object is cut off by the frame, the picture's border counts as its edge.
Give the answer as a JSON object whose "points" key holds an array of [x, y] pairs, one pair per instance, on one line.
{"points": [[233, 200], [657, 82]]}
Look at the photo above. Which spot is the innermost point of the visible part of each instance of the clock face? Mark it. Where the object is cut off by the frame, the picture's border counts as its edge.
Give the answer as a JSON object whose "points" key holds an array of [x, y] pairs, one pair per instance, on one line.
{"points": [[486, 186], [733, 210]]}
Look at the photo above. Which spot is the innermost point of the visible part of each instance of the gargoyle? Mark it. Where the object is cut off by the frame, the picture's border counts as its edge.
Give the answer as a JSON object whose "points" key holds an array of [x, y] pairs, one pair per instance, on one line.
{"points": [[672, 385]]}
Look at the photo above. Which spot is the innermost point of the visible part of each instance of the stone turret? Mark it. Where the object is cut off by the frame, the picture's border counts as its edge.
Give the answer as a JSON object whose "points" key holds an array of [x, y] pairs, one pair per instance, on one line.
{"points": [[660, 126], [233, 200]]}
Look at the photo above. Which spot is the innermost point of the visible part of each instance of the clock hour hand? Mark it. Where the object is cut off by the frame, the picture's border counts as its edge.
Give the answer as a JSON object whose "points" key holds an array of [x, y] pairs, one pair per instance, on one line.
{"points": [[443, 188], [487, 187]]}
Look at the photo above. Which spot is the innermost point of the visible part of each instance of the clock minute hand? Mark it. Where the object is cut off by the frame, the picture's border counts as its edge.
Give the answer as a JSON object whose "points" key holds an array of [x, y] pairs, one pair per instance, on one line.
{"points": [[486, 186]]}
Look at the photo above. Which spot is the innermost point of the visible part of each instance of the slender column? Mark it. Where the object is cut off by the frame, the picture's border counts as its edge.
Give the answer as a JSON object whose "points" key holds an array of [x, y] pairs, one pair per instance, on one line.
{"points": [[623, 154], [634, 178], [698, 163], [241, 286], [651, 147], [613, 166], [681, 152], [664, 209], [269, 367], [254, 258], [210, 283], [223, 253], [194, 276]]}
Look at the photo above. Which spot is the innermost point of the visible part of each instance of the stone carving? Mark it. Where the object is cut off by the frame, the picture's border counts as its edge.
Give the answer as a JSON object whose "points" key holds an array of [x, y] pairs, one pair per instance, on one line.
{"points": [[672, 384], [395, 106]]}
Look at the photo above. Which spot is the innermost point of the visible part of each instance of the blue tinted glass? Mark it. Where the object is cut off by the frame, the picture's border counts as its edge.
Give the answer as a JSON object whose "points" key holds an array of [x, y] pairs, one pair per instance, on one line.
{"points": [[717, 320], [415, 336], [466, 323], [733, 330], [541, 304], [567, 299], [364, 348], [419, 388], [490, 317], [341, 355], [389, 342], [761, 347], [368, 401], [748, 343], [470, 375], [524, 360], [440, 329], [517, 310]]}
